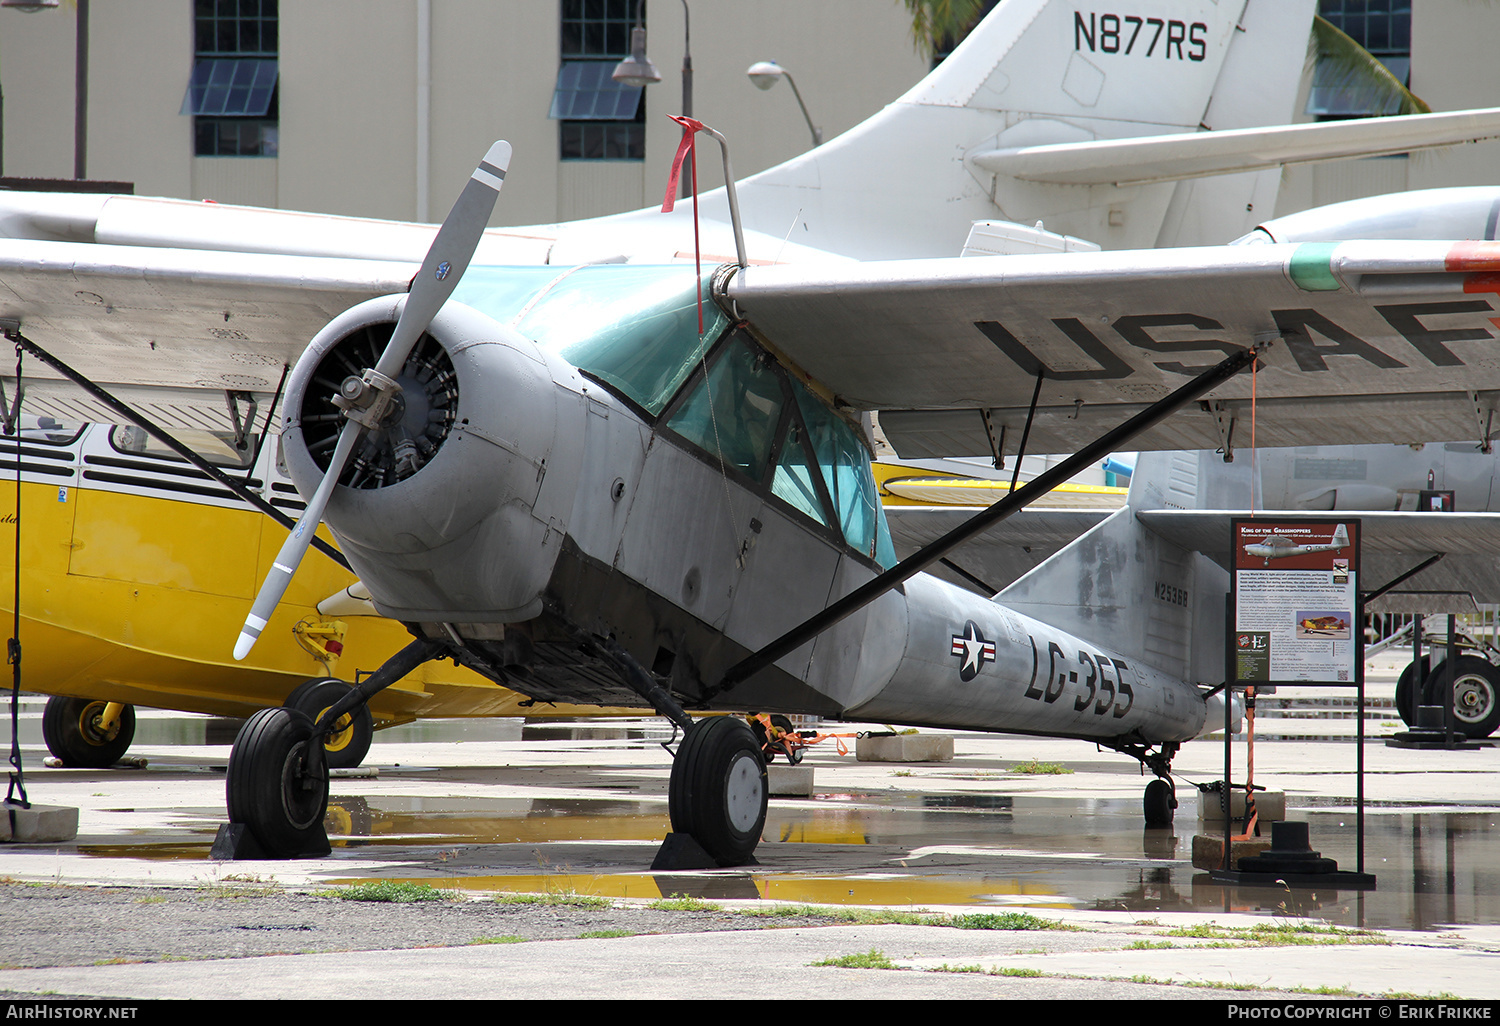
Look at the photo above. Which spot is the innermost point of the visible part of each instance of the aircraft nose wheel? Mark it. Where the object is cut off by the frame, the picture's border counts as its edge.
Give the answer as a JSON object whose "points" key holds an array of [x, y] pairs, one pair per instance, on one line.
{"points": [[718, 789], [278, 783]]}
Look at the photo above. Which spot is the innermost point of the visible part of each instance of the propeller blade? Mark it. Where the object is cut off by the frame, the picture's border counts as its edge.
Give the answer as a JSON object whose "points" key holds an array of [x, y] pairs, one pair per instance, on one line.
{"points": [[445, 264], [295, 546], [448, 258]]}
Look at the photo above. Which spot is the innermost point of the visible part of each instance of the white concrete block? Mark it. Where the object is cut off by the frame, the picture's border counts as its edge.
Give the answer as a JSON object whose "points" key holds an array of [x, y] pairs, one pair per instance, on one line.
{"points": [[905, 748]]}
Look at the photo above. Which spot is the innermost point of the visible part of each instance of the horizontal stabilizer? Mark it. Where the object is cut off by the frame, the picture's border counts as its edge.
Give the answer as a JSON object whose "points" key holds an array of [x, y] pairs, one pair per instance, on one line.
{"points": [[1195, 154], [1391, 543]]}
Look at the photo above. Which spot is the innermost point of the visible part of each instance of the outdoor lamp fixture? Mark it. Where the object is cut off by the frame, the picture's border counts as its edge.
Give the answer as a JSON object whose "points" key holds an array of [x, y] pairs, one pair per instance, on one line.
{"points": [[765, 74], [637, 69]]}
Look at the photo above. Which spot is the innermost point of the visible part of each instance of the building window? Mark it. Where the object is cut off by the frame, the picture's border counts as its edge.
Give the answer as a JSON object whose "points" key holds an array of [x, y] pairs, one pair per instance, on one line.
{"points": [[232, 95], [598, 118], [1383, 27]]}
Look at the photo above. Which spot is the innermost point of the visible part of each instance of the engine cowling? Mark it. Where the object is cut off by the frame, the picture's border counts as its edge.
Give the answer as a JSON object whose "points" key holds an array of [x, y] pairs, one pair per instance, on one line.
{"points": [[447, 511]]}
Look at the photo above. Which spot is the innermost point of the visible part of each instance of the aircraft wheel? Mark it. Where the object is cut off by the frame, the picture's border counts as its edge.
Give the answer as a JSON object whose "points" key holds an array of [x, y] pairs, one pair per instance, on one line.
{"points": [[1406, 690], [1476, 695], [348, 745], [71, 728], [1159, 803], [718, 789], [273, 786]]}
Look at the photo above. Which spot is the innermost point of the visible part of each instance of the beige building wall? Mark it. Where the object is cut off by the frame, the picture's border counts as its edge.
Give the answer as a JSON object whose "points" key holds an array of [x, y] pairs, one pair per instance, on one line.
{"points": [[350, 122], [349, 107]]}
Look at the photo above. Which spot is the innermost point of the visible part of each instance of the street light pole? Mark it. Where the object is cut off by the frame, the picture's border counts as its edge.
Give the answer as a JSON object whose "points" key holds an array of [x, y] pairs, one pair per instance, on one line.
{"points": [[687, 84], [81, 94]]}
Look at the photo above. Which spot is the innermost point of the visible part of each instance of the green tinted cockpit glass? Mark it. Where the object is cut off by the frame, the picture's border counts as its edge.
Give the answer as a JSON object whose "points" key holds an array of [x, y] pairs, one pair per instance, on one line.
{"points": [[851, 484], [735, 411], [794, 481], [636, 328]]}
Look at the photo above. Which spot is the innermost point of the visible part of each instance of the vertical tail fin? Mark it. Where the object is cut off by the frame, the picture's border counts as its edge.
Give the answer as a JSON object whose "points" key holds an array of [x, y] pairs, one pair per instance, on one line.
{"points": [[1150, 598], [1037, 72]]}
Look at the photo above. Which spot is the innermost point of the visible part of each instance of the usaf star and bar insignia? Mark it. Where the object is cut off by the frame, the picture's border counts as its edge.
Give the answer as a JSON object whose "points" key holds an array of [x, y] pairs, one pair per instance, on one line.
{"points": [[972, 650]]}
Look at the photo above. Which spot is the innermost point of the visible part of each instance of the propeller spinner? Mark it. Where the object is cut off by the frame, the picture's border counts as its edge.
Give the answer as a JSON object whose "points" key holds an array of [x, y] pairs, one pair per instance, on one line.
{"points": [[367, 400]]}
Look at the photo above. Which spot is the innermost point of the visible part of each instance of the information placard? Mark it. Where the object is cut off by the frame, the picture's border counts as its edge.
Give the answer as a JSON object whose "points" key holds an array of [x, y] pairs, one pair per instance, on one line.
{"points": [[1297, 612]]}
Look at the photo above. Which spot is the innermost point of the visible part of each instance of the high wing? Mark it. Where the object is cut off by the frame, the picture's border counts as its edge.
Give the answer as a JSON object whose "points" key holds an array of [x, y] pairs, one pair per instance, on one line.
{"points": [[1391, 543], [173, 330], [1374, 341]]}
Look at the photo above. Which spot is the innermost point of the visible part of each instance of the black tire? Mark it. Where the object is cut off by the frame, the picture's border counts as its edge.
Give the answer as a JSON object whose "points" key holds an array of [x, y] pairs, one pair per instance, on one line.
{"points": [[347, 746], [1159, 803], [1406, 687], [70, 726], [1476, 695], [272, 788], [718, 789]]}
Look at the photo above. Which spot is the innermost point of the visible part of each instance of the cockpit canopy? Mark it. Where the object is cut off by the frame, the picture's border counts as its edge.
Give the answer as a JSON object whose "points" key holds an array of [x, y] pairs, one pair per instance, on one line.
{"points": [[636, 330]]}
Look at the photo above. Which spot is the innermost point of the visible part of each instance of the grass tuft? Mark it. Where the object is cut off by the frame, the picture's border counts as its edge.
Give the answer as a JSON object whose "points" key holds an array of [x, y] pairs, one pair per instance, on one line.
{"points": [[872, 959], [400, 891]]}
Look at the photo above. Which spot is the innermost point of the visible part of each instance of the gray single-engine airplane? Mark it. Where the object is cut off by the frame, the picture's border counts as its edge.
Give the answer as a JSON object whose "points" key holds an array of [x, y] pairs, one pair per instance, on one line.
{"points": [[609, 484], [1279, 546]]}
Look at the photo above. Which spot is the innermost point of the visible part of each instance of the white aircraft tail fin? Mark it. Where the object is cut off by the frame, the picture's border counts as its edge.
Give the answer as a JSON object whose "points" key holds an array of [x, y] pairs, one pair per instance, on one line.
{"points": [[1340, 537], [1154, 600], [906, 182]]}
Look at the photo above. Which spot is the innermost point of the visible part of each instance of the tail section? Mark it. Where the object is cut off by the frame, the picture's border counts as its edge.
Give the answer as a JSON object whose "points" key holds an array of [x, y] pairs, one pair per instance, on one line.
{"points": [[1150, 598], [1036, 72]]}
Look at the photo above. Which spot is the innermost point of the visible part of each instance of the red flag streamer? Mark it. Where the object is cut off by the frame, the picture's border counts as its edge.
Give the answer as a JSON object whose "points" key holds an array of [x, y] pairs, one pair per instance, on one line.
{"points": [[689, 144]]}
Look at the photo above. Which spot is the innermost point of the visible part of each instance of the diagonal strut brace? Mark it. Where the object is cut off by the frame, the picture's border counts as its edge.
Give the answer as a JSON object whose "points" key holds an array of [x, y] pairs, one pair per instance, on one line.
{"points": [[12, 330], [977, 524]]}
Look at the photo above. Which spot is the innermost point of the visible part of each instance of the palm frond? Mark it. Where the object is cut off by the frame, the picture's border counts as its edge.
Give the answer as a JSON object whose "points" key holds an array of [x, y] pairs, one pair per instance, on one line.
{"points": [[1356, 78]]}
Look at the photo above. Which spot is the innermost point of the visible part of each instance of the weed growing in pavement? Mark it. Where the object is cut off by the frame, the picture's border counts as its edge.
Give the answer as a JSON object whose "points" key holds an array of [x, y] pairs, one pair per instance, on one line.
{"points": [[1033, 767], [400, 891], [872, 959], [683, 903], [570, 898]]}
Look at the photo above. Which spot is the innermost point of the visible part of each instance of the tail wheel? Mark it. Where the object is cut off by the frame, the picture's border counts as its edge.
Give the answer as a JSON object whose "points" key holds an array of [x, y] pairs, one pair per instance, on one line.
{"points": [[74, 731], [1476, 694], [350, 741], [1159, 803], [718, 789], [278, 782]]}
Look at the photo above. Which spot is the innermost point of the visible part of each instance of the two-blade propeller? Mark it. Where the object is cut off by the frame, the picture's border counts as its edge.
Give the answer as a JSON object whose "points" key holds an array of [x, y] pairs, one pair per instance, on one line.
{"points": [[365, 400]]}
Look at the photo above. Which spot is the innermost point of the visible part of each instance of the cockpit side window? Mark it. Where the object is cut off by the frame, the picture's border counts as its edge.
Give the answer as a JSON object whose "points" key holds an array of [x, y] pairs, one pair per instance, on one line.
{"points": [[735, 411], [44, 430], [756, 419], [845, 464], [217, 447]]}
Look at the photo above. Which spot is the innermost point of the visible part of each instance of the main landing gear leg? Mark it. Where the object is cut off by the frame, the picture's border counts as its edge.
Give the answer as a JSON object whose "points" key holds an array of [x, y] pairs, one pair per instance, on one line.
{"points": [[1160, 800], [277, 785], [717, 792]]}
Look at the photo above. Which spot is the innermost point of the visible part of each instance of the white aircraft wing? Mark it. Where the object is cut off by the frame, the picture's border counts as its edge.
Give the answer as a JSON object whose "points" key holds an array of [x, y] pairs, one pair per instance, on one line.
{"points": [[1391, 543], [170, 329], [1374, 341]]}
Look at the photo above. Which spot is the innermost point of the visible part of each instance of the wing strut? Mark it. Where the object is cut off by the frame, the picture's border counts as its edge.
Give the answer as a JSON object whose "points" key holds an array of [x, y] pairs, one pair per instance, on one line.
{"points": [[12, 331], [980, 522]]}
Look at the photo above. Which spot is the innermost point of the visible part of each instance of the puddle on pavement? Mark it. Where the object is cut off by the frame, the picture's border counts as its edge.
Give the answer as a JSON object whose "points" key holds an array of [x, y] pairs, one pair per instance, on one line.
{"points": [[1434, 867]]}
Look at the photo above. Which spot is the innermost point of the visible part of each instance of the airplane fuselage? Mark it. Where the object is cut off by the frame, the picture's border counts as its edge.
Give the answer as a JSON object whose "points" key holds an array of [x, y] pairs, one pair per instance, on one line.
{"points": [[693, 513]]}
